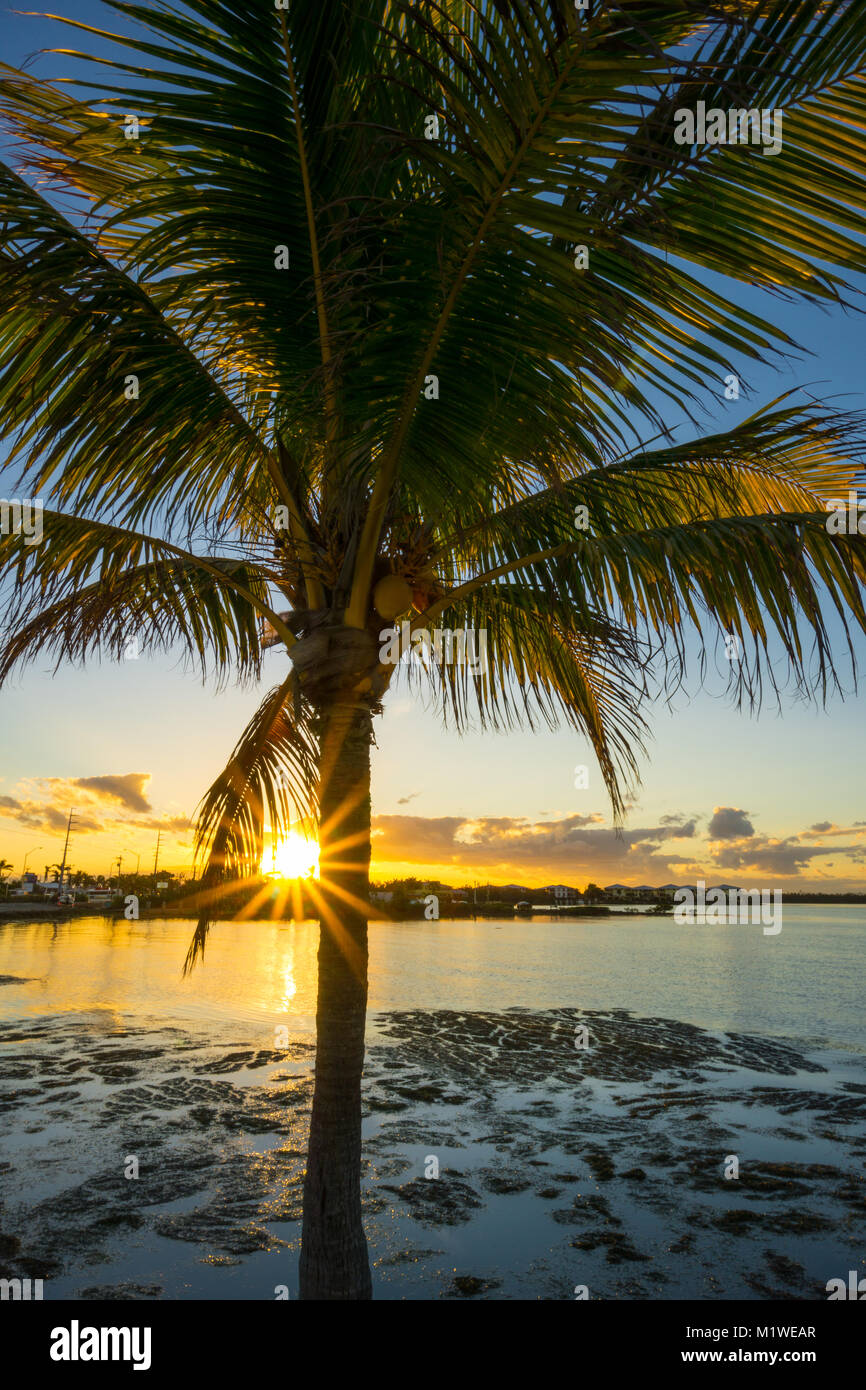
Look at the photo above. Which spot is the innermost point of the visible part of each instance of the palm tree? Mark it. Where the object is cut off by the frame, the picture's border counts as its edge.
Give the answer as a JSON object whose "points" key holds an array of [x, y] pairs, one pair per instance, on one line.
{"points": [[5, 866], [369, 315]]}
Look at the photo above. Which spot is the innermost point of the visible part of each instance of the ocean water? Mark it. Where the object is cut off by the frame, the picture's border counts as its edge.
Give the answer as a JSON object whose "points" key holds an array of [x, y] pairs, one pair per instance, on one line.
{"points": [[806, 983], [558, 1166]]}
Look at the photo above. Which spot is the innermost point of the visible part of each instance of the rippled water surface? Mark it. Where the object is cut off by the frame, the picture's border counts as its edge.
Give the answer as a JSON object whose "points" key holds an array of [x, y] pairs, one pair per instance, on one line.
{"points": [[557, 1166], [805, 983]]}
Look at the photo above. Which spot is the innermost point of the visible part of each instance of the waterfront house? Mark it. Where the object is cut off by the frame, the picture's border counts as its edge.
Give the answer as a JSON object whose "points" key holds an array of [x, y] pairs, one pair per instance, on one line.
{"points": [[618, 891]]}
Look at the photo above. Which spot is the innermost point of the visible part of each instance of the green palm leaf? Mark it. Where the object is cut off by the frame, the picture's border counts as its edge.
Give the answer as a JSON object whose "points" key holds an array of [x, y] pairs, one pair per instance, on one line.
{"points": [[302, 389], [93, 585]]}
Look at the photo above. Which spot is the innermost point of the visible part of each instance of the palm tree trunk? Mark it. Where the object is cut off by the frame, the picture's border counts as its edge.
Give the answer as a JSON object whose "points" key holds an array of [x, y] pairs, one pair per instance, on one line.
{"points": [[334, 1260]]}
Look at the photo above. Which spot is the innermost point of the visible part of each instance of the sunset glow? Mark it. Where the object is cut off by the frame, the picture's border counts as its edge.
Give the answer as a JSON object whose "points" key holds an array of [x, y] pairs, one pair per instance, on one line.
{"points": [[295, 857]]}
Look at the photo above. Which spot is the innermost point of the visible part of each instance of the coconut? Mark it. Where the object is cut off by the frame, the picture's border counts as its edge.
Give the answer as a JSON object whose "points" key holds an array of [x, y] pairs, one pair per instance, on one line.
{"points": [[392, 596]]}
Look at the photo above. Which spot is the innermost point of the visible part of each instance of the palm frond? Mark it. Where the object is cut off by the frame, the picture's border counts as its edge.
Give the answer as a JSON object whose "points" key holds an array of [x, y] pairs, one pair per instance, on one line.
{"points": [[87, 587], [543, 663], [272, 772], [788, 456], [98, 393]]}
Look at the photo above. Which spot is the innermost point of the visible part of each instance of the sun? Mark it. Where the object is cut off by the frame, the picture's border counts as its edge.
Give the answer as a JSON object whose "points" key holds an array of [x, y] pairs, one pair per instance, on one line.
{"points": [[296, 857]]}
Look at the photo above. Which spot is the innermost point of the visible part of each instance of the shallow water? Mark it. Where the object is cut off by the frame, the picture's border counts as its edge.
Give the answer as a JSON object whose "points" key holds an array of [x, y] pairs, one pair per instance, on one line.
{"points": [[806, 983], [557, 1166]]}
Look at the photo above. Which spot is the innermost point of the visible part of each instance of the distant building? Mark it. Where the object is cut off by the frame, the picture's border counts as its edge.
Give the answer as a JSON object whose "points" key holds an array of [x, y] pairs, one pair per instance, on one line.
{"points": [[381, 897], [562, 893], [670, 888], [618, 890]]}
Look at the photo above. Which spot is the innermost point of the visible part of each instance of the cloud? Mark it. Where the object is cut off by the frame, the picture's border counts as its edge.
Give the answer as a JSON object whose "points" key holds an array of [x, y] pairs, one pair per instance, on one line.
{"points": [[37, 815], [168, 824], [110, 803], [128, 790], [404, 800], [782, 857], [830, 828], [730, 823], [579, 848], [415, 837], [575, 845]]}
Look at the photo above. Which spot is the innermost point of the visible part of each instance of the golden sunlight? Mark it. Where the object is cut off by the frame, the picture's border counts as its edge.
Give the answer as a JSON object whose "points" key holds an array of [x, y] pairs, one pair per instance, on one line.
{"points": [[294, 857]]}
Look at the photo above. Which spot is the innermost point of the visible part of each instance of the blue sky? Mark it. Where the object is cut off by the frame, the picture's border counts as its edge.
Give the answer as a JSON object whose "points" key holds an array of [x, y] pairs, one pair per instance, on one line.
{"points": [[133, 746]]}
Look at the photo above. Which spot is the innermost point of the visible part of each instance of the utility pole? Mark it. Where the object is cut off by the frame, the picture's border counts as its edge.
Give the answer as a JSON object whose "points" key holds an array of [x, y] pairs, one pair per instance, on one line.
{"points": [[65, 848], [156, 856]]}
